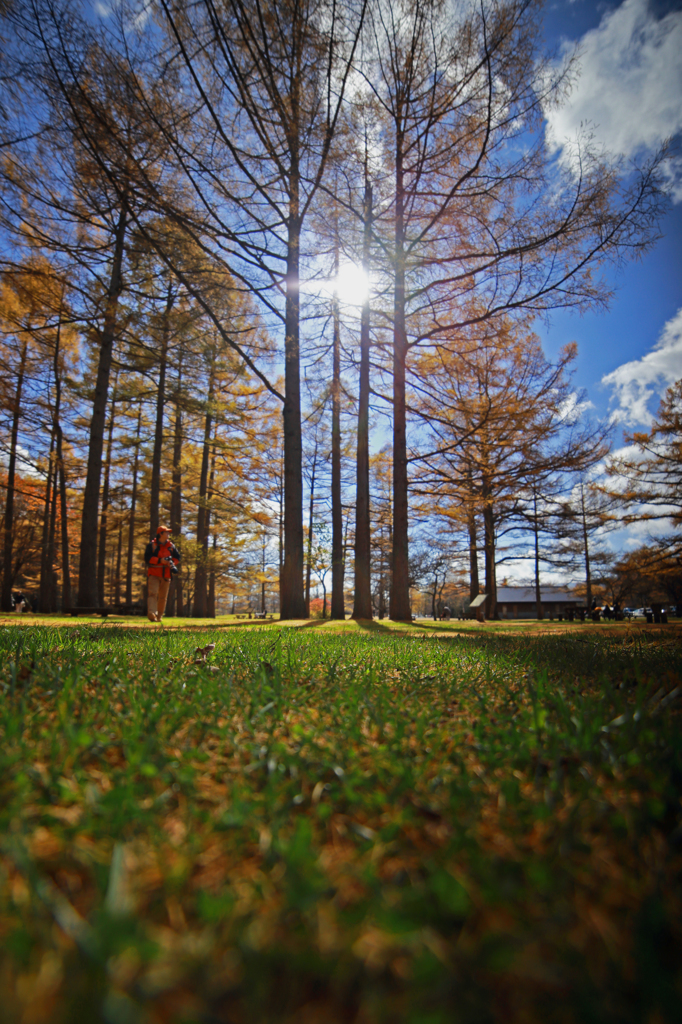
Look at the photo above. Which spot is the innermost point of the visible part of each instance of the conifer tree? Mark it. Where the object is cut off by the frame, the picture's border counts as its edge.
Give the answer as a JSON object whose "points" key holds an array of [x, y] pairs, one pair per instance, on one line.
{"points": [[469, 209], [647, 476]]}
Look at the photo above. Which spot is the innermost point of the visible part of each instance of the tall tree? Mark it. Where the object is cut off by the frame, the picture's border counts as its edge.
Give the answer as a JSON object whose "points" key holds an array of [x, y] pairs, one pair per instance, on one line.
{"points": [[203, 511], [471, 207], [8, 521], [362, 600], [87, 578], [93, 143], [269, 82], [61, 469], [27, 302], [583, 519], [132, 513], [500, 421], [104, 514], [175, 595], [47, 559], [647, 476], [160, 388], [337, 603]]}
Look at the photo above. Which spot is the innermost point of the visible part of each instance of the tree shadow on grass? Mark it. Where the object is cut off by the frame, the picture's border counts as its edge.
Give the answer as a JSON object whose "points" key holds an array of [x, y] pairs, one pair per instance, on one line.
{"points": [[372, 626]]}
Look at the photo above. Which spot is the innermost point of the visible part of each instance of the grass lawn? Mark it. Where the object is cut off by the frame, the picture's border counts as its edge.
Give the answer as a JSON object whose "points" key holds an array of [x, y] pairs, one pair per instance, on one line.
{"points": [[326, 823]]}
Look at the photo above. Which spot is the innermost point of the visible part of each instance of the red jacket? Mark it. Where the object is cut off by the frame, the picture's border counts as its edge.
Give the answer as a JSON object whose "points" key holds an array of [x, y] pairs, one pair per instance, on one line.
{"points": [[154, 557]]}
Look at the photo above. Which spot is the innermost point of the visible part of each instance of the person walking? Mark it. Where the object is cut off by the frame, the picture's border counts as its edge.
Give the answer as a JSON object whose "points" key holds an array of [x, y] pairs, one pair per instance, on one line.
{"points": [[162, 558]]}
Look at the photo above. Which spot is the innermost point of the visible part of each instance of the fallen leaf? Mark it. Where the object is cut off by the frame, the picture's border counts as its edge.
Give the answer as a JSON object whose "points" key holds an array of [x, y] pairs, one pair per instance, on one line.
{"points": [[204, 651], [69, 815]]}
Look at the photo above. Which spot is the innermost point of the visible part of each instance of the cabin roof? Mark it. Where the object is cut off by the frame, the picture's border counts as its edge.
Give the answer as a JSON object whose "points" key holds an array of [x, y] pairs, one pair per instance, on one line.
{"points": [[523, 595]]}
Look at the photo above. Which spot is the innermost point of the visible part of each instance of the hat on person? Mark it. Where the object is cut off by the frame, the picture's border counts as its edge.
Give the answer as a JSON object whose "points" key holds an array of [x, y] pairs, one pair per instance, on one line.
{"points": [[162, 529]]}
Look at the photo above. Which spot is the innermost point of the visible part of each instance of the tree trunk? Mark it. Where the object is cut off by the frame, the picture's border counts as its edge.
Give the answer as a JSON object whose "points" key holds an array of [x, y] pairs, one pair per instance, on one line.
{"points": [[87, 580], [538, 595], [311, 527], [155, 483], [474, 585], [400, 577], [588, 575], [442, 587], [8, 575], [66, 571], [59, 467], [210, 595], [381, 604], [280, 515], [48, 600], [133, 506], [292, 602], [199, 604], [44, 587], [51, 575], [338, 610], [175, 595], [489, 543], [211, 580], [362, 600], [117, 593], [102, 549]]}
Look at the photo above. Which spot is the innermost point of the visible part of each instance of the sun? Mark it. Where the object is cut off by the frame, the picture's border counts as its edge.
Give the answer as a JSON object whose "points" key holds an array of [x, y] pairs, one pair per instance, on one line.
{"points": [[352, 284]]}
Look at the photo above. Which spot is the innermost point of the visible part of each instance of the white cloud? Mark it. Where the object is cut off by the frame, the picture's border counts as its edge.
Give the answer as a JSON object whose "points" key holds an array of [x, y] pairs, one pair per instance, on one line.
{"points": [[25, 464], [635, 383], [630, 88], [637, 535], [573, 408]]}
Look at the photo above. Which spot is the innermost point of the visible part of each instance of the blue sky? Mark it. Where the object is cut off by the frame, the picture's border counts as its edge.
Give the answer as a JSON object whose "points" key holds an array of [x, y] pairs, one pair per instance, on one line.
{"points": [[630, 91]]}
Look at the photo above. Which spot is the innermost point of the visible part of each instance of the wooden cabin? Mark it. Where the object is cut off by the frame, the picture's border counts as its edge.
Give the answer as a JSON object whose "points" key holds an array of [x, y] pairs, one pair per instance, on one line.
{"points": [[519, 602]]}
